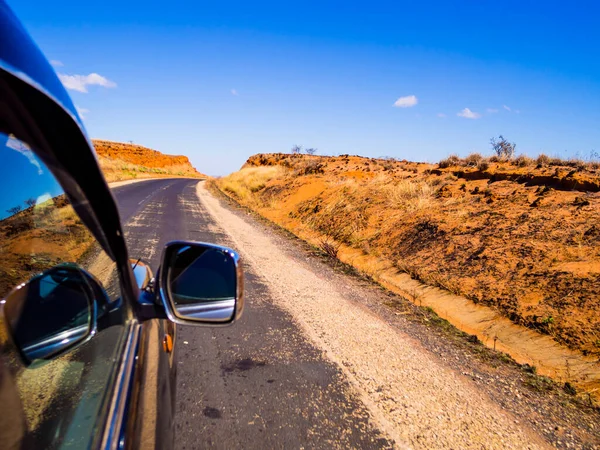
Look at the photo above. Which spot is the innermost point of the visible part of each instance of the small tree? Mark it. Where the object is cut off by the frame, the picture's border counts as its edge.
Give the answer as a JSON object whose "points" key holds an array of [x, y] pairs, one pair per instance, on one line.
{"points": [[14, 210], [30, 202], [503, 148], [296, 149], [311, 151]]}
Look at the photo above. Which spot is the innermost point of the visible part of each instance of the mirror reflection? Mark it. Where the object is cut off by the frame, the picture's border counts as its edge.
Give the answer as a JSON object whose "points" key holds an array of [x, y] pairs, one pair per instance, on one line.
{"points": [[50, 313], [202, 282]]}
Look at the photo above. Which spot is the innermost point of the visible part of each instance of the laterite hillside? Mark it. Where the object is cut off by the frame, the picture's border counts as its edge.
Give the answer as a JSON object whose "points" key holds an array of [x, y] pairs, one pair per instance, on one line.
{"points": [[120, 161], [521, 236]]}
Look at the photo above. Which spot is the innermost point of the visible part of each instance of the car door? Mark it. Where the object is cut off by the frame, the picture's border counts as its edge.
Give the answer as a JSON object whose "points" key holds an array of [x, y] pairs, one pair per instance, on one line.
{"points": [[60, 402], [85, 355]]}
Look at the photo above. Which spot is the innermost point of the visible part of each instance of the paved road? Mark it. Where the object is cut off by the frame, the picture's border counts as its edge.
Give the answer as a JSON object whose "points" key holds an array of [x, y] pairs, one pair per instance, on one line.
{"points": [[259, 384]]}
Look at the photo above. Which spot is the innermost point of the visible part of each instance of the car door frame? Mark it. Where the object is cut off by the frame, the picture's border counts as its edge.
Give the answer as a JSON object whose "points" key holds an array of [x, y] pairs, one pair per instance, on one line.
{"points": [[45, 117]]}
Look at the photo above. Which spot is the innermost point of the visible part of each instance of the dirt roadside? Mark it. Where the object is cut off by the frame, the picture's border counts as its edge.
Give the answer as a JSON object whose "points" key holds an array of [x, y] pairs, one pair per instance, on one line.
{"points": [[423, 389]]}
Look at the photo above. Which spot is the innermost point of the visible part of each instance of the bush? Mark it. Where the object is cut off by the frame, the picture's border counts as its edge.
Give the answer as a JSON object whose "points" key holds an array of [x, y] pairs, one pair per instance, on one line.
{"points": [[577, 163], [503, 148], [542, 160], [452, 160], [473, 159], [523, 161], [309, 167], [555, 162], [330, 248], [483, 165]]}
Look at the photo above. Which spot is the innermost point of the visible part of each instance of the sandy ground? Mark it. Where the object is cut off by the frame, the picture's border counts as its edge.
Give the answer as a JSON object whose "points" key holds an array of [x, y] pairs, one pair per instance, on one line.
{"points": [[415, 399]]}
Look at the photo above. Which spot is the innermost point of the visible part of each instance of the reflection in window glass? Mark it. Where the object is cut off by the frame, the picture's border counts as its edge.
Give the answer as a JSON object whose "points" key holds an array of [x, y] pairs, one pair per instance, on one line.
{"points": [[61, 402]]}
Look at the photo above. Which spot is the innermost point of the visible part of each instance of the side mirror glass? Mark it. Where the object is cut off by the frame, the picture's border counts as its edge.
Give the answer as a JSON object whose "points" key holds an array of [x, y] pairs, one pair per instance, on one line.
{"points": [[201, 283], [52, 312]]}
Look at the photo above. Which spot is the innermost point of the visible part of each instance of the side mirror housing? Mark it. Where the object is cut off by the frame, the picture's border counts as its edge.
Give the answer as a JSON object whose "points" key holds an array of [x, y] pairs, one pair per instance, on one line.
{"points": [[53, 312], [201, 283]]}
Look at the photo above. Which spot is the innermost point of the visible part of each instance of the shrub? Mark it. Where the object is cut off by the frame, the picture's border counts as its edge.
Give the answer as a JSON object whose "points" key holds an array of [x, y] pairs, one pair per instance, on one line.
{"points": [[542, 159], [523, 161], [556, 162], [483, 165], [309, 167], [452, 160], [577, 163], [473, 159], [14, 210], [330, 248], [503, 148]]}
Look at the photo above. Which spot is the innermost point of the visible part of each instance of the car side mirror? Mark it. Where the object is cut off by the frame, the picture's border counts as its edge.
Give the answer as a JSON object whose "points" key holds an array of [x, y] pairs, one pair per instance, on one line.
{"points": [[201, 283], [53, 312]]}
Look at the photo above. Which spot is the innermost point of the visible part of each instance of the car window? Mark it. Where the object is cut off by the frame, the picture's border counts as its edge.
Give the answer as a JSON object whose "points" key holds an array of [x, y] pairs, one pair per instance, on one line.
{"points": [[59, 403]]}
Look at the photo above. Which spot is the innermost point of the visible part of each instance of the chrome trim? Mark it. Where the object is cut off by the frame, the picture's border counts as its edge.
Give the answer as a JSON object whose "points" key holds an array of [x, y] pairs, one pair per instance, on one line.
{"points": [[118, 403], [56, 343], [218, 311]]}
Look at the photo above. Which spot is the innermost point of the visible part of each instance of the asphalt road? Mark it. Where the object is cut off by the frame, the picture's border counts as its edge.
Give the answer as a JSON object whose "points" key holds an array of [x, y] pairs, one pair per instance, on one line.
{"points": [[260, 383]]}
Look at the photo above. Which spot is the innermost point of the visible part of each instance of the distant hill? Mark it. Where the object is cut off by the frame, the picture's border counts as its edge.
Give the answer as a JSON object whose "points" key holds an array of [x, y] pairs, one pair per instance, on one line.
{"points": [[121, 161]]}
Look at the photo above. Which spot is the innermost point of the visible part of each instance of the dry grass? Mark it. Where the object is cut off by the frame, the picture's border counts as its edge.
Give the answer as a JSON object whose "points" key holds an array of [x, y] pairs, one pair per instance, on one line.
{"points": [[523, 161], [121, 161], [479, 236], [408, 194], [246, 182], [118, 170], [542, 160], [473, 159], [450, 161], [483, 163]]}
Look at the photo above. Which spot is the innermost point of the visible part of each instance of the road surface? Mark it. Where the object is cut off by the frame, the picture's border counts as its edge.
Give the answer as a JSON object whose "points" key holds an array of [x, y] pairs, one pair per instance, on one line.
{"points": [[311, 364], [229, 394]]}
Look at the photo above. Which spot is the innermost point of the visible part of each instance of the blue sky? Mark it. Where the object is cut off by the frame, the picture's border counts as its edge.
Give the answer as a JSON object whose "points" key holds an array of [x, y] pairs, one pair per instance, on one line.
{"points": [[220, 81], [19, 163]]}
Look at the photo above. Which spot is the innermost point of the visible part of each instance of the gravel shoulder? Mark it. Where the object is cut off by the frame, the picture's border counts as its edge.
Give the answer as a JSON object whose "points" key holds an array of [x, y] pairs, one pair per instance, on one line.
{"points": [[421, 392]]}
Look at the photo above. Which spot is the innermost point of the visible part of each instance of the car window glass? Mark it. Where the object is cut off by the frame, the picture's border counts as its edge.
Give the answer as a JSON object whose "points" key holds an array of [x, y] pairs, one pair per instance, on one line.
{"points": [[60, 403]]}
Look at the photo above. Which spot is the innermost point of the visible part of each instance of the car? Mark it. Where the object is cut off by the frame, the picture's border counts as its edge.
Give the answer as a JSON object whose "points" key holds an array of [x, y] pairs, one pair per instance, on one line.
{"points": [[87, 339]]}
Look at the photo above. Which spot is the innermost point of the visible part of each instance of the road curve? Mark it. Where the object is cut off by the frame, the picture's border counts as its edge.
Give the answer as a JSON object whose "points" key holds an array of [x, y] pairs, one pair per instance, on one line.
{"points": [[260, 383], [308, 366]]}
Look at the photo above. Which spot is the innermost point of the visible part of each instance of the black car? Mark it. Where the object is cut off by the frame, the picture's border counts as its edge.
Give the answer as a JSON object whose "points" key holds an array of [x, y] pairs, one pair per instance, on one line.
{"points": [[87, 334]]}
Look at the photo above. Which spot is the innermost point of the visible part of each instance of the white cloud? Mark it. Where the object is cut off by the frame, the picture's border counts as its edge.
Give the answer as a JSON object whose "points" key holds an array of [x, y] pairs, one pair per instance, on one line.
{"points": [[56, 63], [441, 115], [406, 102], [506, 108], [80, 82], [492, 110], [234, 92], [25, 150], [82, 112], [468, 114]]}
